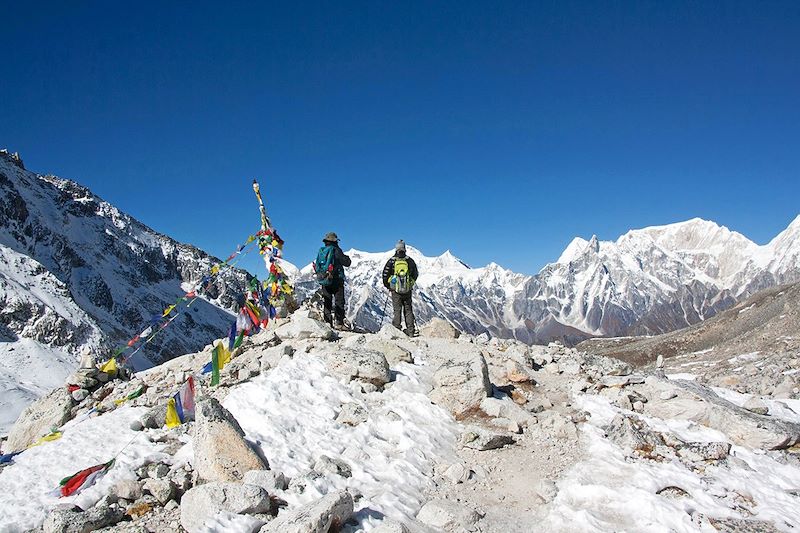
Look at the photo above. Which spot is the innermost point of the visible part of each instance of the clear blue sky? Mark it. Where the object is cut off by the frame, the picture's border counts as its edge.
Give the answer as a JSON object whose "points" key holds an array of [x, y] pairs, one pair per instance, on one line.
{"points": [[499, 130]]}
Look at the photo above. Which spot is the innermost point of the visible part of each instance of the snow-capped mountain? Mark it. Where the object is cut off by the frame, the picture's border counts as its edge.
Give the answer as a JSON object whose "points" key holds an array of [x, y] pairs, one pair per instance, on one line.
{"points": [[648, 281], [75, 271]]}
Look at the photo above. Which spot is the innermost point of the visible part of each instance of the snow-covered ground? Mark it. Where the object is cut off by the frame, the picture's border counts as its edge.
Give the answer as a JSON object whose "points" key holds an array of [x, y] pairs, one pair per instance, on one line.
{"points": [[27, 484], [609, 491], [289, 414]]}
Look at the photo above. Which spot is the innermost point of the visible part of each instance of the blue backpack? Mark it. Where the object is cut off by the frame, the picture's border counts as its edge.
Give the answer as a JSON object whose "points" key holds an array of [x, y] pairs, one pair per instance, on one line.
{"points": [[326, 268]]}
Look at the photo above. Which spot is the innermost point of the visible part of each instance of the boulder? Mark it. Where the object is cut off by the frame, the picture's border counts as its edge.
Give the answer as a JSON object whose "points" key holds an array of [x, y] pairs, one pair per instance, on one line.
{"points": [[621, 381], [449, 516], [632, 434], [76, 521], [302, 326], [393, 352], [362, 365], [704, 451], [461, 385], [507, 409], [79, 395], [388, 331], [269, 480], [127, 489], [49, 411], [204, 501], [321, 516], [220, 451], [516, 373], [390, 526], [439, 328], [700, 404], [329, 465]]}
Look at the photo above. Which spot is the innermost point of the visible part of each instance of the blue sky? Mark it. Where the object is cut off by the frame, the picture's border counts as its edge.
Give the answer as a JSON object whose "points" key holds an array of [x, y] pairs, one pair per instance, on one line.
{"points": [[499, 130]]}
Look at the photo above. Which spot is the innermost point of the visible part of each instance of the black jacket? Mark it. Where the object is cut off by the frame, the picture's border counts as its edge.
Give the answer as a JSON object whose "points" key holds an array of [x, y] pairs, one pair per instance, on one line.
{"points": [[388, 269]]}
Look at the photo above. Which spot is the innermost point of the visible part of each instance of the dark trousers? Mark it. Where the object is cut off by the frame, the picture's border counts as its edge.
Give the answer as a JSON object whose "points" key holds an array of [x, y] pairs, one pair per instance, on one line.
{"points": [[333, 297], [402, 306]]}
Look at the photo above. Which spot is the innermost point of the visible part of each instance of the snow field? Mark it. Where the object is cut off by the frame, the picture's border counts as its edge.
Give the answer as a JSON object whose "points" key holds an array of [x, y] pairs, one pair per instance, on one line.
{"points": [[609, 491], [289, 413], [26, 485]]}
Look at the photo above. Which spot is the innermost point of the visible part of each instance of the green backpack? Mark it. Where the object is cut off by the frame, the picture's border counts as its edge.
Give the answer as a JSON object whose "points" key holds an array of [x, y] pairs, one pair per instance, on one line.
{"points": [[402, 281]]}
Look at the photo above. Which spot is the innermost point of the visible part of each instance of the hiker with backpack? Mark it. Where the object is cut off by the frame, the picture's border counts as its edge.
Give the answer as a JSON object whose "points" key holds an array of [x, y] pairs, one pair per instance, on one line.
{"points": [[399, 276], [329, 268]]}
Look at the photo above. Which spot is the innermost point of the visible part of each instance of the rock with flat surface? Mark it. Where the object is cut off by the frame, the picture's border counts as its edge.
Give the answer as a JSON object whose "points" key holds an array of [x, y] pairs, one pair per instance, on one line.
{"points": [[301, 326], [49, 411], [461, 385], [485, 439], [393, 352], [269, 480], [203, 502], [449, 516], [365, 366], [439, 328], [220, 451], [756, 405], [321, 516]]}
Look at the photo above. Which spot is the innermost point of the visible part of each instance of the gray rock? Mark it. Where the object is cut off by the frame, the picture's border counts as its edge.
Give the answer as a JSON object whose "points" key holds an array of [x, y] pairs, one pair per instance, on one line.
{"points": [[621, 381], [704, 451], [326, 514], [82, 380], [220, 451], [390, 526], [76, 521], [461, 385], [49, 411], [699, 404], [329, 465], [449, 516], [393, 352], [483, 338], [484, 439], [204, 501], [667, 395], [457, 473], [633, 434], [127, 489], [352, 414], [301, 326], [439, 328], [80, 394], [162, 489], [157, 470], [756, 405], [546, 489], [136, 425], [388, 331], [362, 365], [156, 417], [269, 480], [507, 409]]}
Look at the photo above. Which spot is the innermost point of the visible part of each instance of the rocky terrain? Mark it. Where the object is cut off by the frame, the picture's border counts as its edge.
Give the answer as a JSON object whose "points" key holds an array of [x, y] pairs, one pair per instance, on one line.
{"points": [[649, 281], [752, 348], [311, 430]]}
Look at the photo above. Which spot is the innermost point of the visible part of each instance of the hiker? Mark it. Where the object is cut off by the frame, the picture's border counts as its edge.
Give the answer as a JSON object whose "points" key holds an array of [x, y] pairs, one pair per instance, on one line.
{"points": [[399, 276], [329, 268]]}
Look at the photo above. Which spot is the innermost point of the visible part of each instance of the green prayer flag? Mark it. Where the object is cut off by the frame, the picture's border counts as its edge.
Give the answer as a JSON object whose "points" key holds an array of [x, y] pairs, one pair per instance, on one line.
{"points": [[215, 366]]}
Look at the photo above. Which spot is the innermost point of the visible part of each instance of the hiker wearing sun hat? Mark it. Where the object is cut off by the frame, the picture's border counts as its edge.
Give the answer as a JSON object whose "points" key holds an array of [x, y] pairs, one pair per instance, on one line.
{"points": [[329, 268], [399, 276]]}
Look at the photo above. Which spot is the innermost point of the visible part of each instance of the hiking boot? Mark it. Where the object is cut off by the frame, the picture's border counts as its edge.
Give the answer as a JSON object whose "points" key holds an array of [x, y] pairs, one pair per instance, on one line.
{"points": [[412, 332], [340, 326]]}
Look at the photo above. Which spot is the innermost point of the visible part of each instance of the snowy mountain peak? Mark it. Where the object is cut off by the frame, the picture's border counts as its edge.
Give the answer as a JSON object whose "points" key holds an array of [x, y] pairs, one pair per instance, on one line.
{"points": [[573, 250]]}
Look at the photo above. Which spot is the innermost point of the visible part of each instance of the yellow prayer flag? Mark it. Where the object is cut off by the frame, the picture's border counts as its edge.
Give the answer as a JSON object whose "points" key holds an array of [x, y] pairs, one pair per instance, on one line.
{"points": [[110, 366], [214, 270], [173, 420], [47, 438]]}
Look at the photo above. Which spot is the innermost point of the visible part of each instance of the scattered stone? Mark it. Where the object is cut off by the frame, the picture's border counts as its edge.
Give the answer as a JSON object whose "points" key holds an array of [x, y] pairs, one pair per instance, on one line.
{"points": [[756, 405], [439, 328], [483, 439], [448, 515], [76, 521], [672, 492], [127, 489], [155, 418], [220, 451], [631, 433], [162, 489], [457, 473], [269, 480], [51, 410], [621, 381], [704, 451], [157, 470], [660, 361], [516, 373], [329, 465], [483, 338], [667, 395], [352, 414], [362, 365], [204, 501], [460, 386], [326, 514], [546, 489], [79, 395], [394, 353], [390, 526], [558, 425], [136, 425]]}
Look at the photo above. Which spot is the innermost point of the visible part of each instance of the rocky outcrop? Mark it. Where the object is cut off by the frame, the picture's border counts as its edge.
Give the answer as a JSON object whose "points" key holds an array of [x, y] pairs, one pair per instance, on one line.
{"points": [[220, 451], [203, 502], [362, 365], [439, 328], [326, 514], [37, 419]]}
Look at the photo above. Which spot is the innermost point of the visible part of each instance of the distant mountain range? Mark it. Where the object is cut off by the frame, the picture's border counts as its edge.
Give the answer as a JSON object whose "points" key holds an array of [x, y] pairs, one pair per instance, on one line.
{"points": [[649, 281]]}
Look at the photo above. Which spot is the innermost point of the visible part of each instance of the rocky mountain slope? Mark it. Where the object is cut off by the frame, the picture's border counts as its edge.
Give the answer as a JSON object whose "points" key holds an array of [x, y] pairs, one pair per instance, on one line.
{"points": [[75, 271], [310, 430], [649, 281], [753, 346]]}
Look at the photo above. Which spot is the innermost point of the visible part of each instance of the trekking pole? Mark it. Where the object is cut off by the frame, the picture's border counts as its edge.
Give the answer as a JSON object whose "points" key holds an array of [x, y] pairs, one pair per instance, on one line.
{"points": [[383, 314]]}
